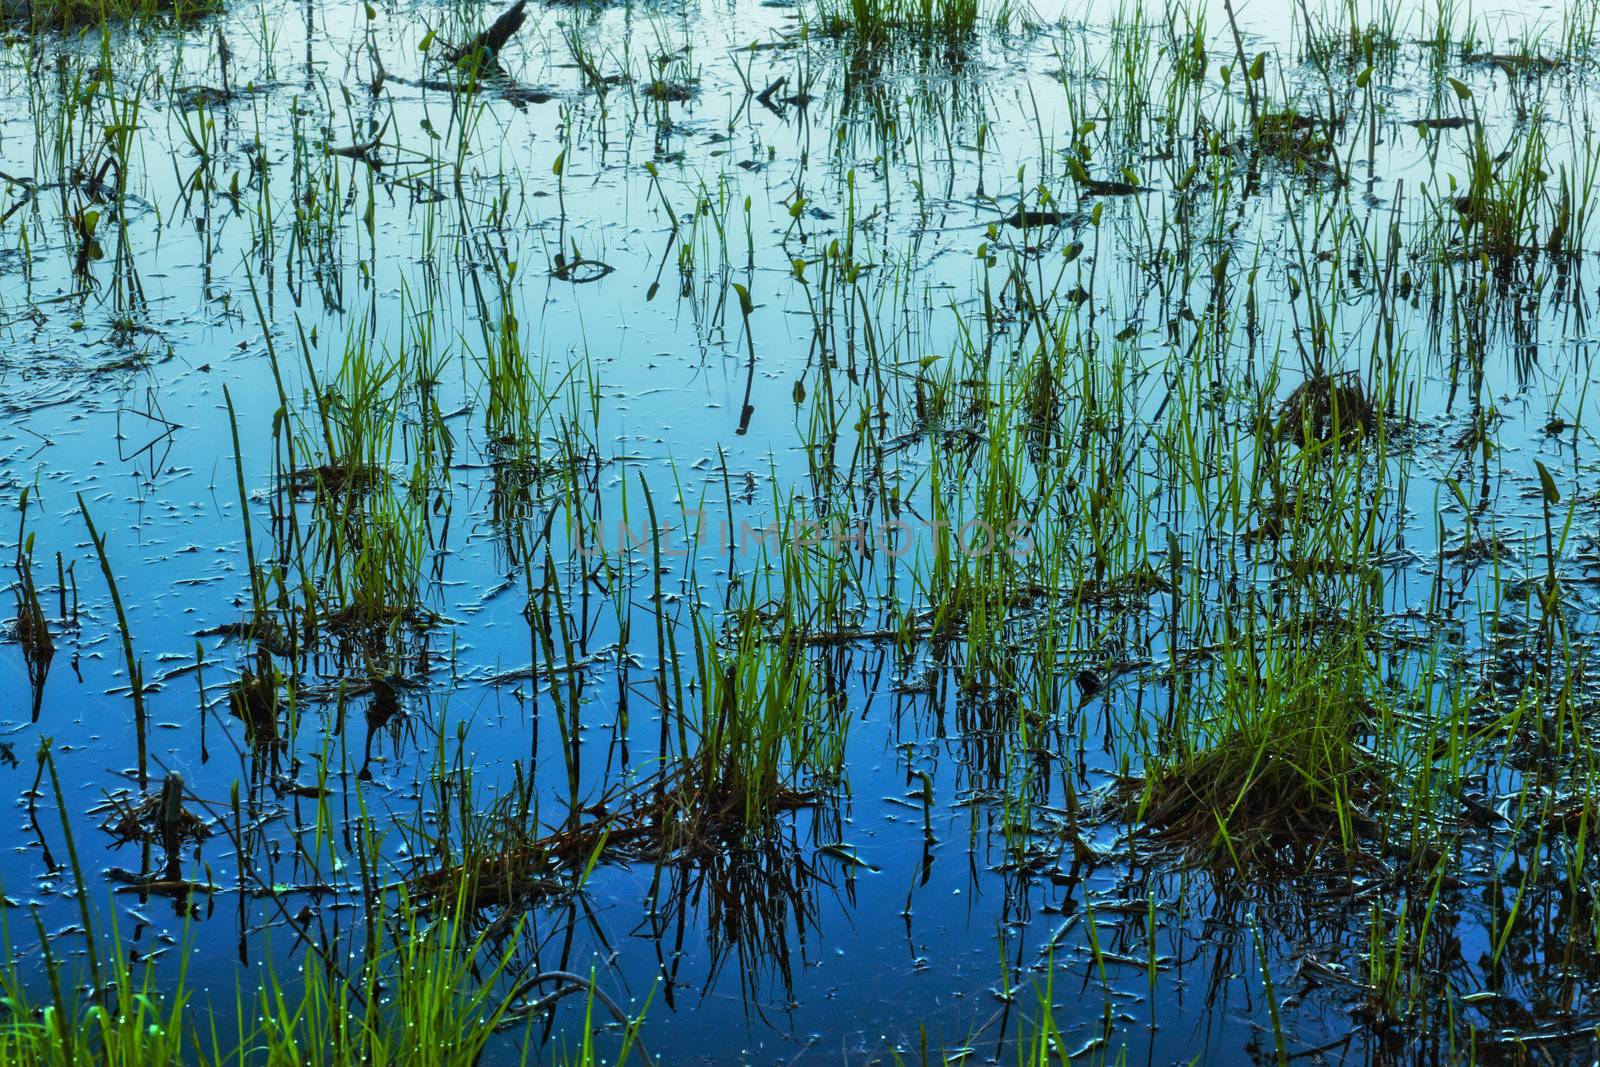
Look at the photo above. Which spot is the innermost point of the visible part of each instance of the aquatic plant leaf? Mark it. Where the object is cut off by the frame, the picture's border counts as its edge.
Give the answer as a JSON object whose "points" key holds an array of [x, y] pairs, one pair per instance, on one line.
{"points": [[1547, 485]]}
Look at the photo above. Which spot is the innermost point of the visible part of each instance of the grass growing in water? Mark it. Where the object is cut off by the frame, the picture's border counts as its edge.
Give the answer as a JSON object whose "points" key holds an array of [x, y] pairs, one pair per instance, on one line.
{"points": [[43, 15], [434, 994], [873, 26]]}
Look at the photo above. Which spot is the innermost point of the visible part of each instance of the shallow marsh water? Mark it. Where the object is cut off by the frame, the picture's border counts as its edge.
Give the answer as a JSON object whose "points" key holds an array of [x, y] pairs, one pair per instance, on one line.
{"points": [[470, 349]]}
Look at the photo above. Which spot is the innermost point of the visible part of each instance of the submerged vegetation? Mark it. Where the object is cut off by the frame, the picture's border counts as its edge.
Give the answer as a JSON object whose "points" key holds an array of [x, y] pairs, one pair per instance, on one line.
{"points": [[866, 531]]}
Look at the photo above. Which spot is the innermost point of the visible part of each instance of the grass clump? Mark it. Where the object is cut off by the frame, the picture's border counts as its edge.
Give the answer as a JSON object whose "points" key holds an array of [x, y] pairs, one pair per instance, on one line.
{"points": [[430, 994], [436, 996], [134, 1027], [762, 726], [42, 15], [1265, 766], [1326, 408], [1290, 135], [758, 742], [1517, 204], [881, 25], [1344, 39]]}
